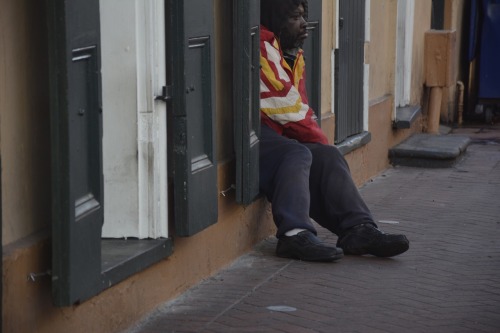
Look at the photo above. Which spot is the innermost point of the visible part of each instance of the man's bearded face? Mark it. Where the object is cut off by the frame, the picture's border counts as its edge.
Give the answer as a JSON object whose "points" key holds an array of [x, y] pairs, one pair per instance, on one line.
{"points": [[294, 31]]}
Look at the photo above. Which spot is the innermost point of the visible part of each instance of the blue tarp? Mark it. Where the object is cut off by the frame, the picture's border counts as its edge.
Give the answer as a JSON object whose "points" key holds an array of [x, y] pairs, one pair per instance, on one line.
{"points": [[484, 46]]}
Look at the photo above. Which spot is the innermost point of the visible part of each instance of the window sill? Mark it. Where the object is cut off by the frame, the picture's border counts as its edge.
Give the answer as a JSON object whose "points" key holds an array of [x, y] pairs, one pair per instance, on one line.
{"points": [[354, 142], [122, 258], [406, 116]]}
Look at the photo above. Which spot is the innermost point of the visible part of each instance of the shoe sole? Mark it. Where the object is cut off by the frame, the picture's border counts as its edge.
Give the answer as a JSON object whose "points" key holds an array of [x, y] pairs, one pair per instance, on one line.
{"points": [[316, 259], [390, 251]]}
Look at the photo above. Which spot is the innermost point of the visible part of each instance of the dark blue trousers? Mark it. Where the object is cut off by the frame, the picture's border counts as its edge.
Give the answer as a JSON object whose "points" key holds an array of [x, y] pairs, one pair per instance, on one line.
{"points": [[308, 180]]}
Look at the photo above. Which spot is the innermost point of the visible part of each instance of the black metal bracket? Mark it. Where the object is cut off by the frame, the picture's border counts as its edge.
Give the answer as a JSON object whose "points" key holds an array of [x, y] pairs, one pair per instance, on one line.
{"points": [[166, 94]]}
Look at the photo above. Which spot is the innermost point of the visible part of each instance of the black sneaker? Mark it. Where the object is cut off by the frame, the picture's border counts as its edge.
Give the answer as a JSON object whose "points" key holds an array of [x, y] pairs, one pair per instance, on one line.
{"points": [[367, 239], [306, 246]]}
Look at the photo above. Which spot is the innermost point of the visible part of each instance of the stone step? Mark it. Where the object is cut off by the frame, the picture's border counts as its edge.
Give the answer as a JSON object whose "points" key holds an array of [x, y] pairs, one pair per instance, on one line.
{"points": [[429, 150]]}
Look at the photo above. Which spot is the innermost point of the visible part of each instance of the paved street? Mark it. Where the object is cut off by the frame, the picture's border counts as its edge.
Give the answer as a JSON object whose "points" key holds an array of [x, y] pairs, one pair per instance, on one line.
{"points": [[449, 280]]}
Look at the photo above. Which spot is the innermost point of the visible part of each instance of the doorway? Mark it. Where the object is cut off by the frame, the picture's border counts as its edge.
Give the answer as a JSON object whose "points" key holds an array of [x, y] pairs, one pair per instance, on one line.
{"points": [[134, 121]]}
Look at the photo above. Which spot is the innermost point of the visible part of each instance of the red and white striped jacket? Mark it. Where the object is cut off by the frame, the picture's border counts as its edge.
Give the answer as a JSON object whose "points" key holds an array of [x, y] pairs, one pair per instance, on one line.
{"points": [[283, 98]]}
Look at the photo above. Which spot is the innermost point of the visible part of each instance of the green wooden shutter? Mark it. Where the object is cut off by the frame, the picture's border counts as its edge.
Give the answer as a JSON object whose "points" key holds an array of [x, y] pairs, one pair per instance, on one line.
{"points": [[191, 76], [349, 97], [77, 183], [312, 54], [246, 99]]}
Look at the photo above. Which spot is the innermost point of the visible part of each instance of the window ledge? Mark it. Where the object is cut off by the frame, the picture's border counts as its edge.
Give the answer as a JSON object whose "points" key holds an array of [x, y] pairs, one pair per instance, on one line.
{"points": [[122, 258], [406, 116], [354, 142]]}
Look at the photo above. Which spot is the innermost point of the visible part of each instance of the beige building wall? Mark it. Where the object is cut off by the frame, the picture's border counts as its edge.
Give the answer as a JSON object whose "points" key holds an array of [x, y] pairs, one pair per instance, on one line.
{"points": [[422, 24], [381, 51], [328, 41], [24, 119]]}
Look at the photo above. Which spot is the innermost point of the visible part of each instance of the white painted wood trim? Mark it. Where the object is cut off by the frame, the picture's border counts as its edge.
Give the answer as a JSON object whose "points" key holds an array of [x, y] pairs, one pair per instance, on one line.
{"points": [[410, 18], [119, 81], [404, 53], [400, 44], [151, 120], [332, 60], [366, 68], [366, 96], [160, 225]]}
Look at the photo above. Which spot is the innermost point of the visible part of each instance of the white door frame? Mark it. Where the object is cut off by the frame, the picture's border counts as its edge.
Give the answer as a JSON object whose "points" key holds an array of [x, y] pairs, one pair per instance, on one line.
{"points": [[134, 123], [404, 53], [366, 78]]}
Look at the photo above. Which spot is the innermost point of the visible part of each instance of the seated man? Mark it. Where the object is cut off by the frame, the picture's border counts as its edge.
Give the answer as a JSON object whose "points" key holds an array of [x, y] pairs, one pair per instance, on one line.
{"points": [[301, 175]]}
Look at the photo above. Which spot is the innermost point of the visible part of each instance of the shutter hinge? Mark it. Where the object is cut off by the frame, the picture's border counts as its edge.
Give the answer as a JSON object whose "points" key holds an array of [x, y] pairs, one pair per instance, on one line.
{"points": [[166, 94]]}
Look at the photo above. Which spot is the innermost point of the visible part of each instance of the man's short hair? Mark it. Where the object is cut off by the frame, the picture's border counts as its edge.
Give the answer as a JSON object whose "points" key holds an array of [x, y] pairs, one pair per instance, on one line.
{"points": [[274, 13]]}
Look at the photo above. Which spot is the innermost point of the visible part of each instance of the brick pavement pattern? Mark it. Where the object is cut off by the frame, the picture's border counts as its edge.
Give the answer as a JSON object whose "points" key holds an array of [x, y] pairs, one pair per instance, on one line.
{"points": [[449, 280]]}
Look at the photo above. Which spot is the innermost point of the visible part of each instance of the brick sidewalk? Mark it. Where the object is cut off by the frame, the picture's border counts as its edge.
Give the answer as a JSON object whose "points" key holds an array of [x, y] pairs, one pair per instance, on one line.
{"points": [[449, 280]]}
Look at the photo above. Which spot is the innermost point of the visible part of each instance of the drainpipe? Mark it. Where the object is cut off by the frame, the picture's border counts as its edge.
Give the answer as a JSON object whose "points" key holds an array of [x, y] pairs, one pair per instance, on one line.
{"points": [[461, 89]]}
